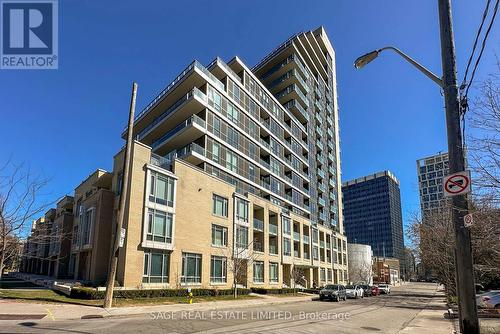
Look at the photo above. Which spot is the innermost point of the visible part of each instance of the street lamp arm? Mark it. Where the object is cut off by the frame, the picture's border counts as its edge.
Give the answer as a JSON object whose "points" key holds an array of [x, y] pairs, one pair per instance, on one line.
{"points": [[421, 68]]}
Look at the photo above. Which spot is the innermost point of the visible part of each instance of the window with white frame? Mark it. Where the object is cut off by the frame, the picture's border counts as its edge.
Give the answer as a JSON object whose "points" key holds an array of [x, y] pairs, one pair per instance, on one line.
{"points": [[219, 236], [159, 226], [191, 268], [156, 267], [219, 205], [241, 236], [161, 189], [241, 210], [218, 269], [273, 272], [258, 271]]}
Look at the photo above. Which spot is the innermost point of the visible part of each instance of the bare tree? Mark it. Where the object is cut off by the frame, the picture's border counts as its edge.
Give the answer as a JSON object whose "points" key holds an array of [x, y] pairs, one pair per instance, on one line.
{"points": [[297, 275], [484, 141], [20, 203], [361, 272]]}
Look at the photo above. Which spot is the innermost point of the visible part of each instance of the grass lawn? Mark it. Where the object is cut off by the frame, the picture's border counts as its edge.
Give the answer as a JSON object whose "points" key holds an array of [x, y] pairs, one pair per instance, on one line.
{"points": [[49, 296]]}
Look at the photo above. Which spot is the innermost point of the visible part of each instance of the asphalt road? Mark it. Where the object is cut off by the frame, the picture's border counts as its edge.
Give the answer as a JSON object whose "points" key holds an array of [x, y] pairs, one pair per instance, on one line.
{"points": [[382, 314]]}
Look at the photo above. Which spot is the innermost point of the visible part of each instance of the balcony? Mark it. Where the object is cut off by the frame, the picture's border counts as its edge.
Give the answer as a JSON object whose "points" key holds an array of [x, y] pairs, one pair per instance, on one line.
{"points": [[258, 224], [293, 92], [321, 201], [296, 236], [305, 239], [273, 249], [191, 103], [185, 132], [322, 244], [297, 110], [194, 75], [192, 153]]}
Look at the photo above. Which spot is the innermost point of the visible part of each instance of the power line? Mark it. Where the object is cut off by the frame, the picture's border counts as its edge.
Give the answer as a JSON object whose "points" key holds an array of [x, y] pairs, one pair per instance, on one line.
{"points": [[485, 14], [483, 45]]}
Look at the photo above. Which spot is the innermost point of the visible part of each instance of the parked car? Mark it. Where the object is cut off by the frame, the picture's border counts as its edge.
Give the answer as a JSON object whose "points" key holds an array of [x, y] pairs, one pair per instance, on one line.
{"points": [[354, 291], [375, 291], [333, 292], [367, 290], [384, 288], [490, 299]]}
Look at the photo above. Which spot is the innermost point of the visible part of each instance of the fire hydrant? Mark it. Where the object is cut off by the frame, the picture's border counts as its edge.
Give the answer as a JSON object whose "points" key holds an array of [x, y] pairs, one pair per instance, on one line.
{"points": [[190, 296]]}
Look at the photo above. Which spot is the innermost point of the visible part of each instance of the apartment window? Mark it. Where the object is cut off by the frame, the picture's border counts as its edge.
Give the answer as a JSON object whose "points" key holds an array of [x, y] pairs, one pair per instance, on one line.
{"points": [[273, 272], [74, 239], [191, 268], [231, 161], [219, 236], [241, 236], [159, 226], [215, 151], [241, 210], [217, 131], [232, 137], [88, 220], [315, 253], [287, 247], [258, 271], [232, 113], [218, 269], [286, 225], [217, 100], [156, 267], [161, 189], [329, 275], [322, 274], [219, 206]]}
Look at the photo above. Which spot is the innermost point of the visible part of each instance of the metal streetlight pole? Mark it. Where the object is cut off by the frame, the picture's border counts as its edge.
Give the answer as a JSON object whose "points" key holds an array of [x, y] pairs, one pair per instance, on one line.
{"points": [[464, 265]]}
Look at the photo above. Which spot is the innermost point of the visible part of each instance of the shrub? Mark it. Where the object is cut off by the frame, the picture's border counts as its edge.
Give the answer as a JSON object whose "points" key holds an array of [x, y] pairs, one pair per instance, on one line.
{"points": [[263, 291], [89, 293]]}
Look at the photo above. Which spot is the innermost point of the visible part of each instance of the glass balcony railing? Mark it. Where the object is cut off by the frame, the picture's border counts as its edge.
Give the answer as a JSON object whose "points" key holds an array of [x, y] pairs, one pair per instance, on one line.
{"points": [[305, 238], [294, 104], [169, 134], [170, 110], [321, 201], [273, 229], [191, 148], [273, 249], [296, 236], [258, 224], [322, 244]]}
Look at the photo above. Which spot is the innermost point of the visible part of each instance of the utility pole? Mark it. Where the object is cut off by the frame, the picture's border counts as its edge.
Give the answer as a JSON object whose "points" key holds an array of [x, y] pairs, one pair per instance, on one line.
{"points": [[464, 266], [108, 299]]}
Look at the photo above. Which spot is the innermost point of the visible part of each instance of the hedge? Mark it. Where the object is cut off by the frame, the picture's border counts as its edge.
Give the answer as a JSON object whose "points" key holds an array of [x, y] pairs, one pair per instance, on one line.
{"points": [[90, 293], [263, 291]]}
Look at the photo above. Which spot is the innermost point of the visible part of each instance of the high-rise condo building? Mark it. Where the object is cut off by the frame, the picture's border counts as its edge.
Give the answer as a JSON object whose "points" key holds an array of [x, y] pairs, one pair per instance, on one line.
{"points": [[372, 211], [430, 171], [230, 162]]}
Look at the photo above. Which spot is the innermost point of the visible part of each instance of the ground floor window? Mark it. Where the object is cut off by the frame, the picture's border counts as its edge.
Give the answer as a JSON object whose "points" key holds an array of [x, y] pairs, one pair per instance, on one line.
{"points": [[156, 267], [329, 275], [191, 268], [273, 272], [322, 274], [218, 269], [258, 271]]}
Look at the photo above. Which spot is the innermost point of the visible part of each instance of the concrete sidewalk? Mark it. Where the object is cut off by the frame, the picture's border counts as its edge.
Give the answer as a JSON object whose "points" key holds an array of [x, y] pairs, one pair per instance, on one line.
{"points": [[55, 312]]}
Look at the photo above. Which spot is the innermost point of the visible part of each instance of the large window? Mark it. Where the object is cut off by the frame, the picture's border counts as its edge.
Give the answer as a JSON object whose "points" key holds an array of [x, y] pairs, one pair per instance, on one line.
{"points": [[218, 272], [287, 247], [241, 210], [156, 266], [258, 271], [273, 272], [322, 275], [161, 189], [231, 161], [219, 236], [286, 225], [232, 113], [159, 226], [215, 151], [219, 206], [241, 236], [191, 268], [86, 222]]}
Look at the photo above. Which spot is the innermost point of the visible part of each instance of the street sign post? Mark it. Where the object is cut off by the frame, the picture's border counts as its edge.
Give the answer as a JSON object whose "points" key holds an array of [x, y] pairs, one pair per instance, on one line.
{"points": [[456, 184]]}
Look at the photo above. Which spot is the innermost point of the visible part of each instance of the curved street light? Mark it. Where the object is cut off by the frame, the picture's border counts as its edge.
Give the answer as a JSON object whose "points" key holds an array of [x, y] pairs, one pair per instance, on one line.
{"points": [[370, 56]]}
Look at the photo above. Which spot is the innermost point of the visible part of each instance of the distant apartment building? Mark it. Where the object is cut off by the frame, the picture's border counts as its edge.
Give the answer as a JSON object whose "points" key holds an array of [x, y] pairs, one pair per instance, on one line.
{"points": [[372, 212], [227, 162], [430, 171]]}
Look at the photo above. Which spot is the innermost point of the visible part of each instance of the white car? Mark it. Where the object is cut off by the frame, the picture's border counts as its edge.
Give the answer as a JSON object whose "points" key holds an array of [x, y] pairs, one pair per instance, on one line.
{"points": [[354, 291], [490, 299], [384, 288]]}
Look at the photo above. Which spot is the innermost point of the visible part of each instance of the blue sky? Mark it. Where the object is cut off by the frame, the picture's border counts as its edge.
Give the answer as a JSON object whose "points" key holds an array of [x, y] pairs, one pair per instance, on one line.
{"points": [[65, 123]]}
